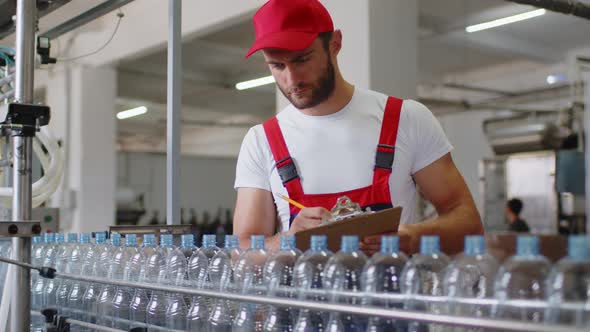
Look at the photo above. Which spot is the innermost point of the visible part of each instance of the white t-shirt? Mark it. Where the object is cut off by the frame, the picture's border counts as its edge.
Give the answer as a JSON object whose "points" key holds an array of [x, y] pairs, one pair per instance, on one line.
{"points": [[336, 152]]}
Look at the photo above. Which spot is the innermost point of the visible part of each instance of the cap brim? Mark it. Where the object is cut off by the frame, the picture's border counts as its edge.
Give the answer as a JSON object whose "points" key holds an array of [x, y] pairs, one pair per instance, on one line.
{"points": [[285, 40]]}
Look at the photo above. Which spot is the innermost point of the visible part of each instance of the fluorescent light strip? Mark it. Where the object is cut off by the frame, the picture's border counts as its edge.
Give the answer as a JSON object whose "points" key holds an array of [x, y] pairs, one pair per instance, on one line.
{"points": [[505, 20], [132, 112], [255, 83]]}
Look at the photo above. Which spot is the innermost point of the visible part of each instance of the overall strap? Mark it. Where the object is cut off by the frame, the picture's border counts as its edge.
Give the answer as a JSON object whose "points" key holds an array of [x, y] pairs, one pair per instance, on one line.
{"points": [[386, 148]]}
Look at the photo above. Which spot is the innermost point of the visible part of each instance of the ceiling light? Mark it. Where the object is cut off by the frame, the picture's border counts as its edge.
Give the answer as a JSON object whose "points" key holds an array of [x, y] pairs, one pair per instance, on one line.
{"points": [[505, 20], [552, 79], [255, 83], [131, 112]]}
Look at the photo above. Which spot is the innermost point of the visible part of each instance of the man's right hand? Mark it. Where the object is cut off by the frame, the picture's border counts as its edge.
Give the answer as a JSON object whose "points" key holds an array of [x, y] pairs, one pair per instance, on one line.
{"points": [[308, 218]]}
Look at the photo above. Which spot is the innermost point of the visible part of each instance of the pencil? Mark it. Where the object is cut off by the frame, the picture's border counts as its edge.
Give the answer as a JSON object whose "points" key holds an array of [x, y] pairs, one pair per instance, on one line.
{"points": [[295, 203]]}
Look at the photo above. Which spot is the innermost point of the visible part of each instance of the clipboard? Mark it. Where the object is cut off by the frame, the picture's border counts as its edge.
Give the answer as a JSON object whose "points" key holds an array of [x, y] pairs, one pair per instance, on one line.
{"points": [[363, 225]]}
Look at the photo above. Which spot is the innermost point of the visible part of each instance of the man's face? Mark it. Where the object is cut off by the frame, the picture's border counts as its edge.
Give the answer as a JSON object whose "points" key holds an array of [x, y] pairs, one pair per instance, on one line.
{"points": [[306, 78]]}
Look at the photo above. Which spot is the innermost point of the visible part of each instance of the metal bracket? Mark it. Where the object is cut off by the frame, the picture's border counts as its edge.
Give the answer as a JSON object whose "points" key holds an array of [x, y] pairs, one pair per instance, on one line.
{"points": [[19, 228], [24, 119]]}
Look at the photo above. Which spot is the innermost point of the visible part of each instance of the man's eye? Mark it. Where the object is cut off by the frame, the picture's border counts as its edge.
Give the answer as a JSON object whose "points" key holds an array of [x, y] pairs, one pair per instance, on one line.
{"points": [[277, 66], [301, 60]]}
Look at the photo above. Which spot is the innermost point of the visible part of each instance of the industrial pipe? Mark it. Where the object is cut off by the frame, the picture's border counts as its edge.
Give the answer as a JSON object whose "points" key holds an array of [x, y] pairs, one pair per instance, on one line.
{"points": [[569, 7]]}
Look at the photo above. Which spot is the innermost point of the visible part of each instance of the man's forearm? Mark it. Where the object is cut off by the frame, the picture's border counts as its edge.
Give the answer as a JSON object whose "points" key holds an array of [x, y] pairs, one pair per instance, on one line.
{"points": [[451, 226]]}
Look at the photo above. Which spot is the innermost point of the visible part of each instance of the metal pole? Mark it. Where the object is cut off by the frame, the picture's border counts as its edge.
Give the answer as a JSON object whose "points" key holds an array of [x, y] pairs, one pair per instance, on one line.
{"points": [[26, 16], [586, 80], [174, 93]]}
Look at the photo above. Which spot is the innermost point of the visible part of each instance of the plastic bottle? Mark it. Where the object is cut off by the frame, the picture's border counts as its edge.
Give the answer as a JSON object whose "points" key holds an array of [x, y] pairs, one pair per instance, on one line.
{"points": [[382, 274], [199, 310], [569, 285], [209, 247], [68, 262], [471, 275], [424, 275], [93, 267], [278, 275], [138, 306], [176, 275], [250, 278], [73, 296], [308, 275], [187, 245], [127, 262], [50, 285], [220, 272], [107, 292], [155, 263], [343, 273], [522, 277], [38, 259]]}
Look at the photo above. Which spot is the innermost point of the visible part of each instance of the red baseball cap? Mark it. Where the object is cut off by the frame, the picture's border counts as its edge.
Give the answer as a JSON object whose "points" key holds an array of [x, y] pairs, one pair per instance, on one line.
{"points": [[289, 24]]}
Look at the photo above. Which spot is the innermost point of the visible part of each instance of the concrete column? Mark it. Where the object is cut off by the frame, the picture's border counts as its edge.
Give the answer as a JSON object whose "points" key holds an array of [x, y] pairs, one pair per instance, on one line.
{"points": [[83, 118]]}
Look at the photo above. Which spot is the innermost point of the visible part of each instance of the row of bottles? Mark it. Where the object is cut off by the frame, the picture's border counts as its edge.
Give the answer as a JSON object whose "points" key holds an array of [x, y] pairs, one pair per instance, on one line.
{"points": [[287, 272]]}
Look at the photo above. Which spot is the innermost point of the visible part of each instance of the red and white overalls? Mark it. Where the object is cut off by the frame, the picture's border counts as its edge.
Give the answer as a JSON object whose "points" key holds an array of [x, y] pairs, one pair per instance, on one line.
{"points": [[376, 196]]}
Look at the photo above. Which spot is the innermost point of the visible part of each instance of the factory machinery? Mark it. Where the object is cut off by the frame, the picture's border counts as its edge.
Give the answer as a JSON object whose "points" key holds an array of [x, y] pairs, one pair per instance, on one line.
{"points": [[24, 121]]}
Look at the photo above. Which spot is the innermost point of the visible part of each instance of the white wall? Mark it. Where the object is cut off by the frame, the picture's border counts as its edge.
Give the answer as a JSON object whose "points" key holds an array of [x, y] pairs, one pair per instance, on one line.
{"points": [[206, 183], [465, 131]]}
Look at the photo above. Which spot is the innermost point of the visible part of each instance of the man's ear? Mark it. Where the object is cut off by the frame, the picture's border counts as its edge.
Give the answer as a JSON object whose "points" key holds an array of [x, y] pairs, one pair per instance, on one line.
{"points": [[336, 42]]}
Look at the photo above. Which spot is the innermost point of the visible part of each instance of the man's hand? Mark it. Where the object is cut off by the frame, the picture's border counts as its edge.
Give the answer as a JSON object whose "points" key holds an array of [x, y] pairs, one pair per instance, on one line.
{"points": [[408, 241], [308, 218]]}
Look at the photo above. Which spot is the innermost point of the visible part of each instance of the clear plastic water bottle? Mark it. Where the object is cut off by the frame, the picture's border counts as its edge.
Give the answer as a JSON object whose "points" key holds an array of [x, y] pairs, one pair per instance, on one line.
{"points": [[93, 267], [221, 278], [343, 273], [141, 297], [308, 275], [199, 309], [209, 247], [569, 285], [471, 275], [278, 275], [37, 323], [187, 245], [127, 265], [107, 292], [381, 275], [424, 275], [176, 275], [522, 277], [155, 263], [69, 262], [250, 277], [76, 291], [50, 285]]}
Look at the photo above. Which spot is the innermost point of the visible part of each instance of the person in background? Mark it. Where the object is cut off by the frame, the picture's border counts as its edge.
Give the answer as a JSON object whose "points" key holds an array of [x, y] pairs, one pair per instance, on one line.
{"points": [[513, 209]]}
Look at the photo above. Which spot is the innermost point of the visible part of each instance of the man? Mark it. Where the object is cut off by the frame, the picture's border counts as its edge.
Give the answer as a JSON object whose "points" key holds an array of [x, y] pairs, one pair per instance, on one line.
{"points": [[337, 139], [513, 209]]}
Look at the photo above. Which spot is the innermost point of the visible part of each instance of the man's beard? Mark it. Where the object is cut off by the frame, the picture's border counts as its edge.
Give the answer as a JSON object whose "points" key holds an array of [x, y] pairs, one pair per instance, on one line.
{"points": [[320, 92]]}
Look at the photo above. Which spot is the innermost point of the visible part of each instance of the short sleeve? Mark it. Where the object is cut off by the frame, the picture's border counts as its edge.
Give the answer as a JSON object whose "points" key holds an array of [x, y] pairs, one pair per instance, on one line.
{"points": [[429, 141], [250, 169]]}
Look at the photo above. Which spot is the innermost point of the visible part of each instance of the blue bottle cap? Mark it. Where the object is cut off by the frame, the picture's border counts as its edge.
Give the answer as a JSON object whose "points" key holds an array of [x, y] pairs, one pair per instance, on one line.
{"points": [[149, 240], [319, 242], [389, 244], [231, 242], [578, 247], [257, 242], [59, 238], [429, 245], [475, 245], [131, 240], [115, 239], [166, 240], [287, 242], [72, 237], [49, 237], [350, 243], [36, 239], [85, 238], [527, 245], [209, 240], [100, 238], [187, 240]]}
